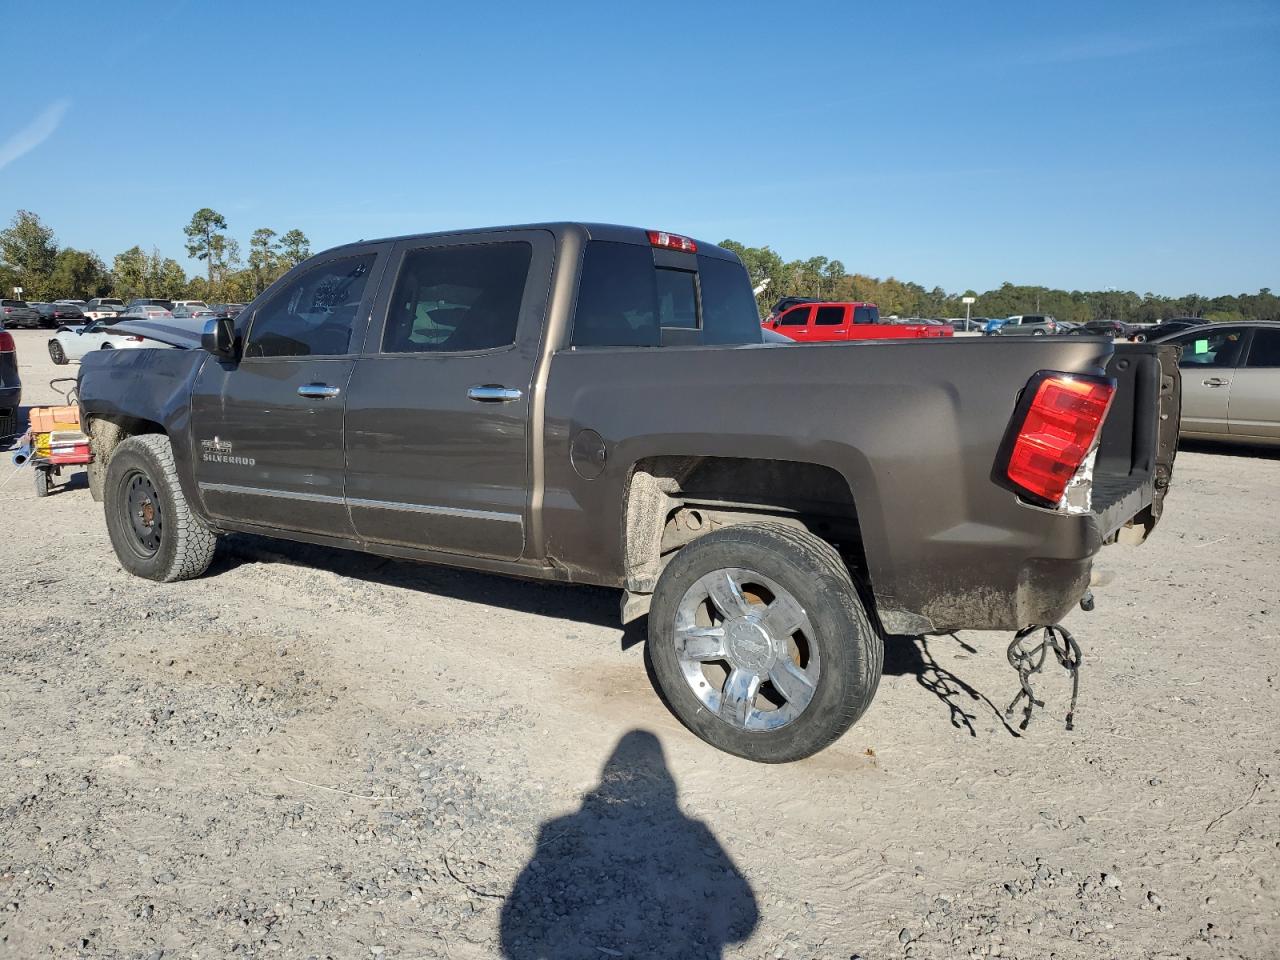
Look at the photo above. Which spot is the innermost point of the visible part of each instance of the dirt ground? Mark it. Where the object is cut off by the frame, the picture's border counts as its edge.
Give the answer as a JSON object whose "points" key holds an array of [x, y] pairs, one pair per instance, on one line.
{"points": [[315, 753]]}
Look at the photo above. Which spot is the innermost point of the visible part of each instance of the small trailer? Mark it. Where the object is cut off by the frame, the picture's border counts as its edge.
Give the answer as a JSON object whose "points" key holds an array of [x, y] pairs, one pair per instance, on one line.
{"points": [[54, 440]]}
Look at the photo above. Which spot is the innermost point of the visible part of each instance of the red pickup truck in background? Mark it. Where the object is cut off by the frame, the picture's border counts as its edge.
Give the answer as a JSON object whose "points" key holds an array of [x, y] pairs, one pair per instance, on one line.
{"points": [[822, 321]]}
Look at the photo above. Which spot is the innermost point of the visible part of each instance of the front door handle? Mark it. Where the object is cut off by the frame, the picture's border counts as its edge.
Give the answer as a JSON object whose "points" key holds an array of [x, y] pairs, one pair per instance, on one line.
{"points": [[318, 391], [493, 393], [1215, 382]]}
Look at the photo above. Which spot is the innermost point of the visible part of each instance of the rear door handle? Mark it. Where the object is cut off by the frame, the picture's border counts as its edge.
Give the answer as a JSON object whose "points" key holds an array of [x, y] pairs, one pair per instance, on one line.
{"points": [[493, 393], [318, 391], [1215, 382]]}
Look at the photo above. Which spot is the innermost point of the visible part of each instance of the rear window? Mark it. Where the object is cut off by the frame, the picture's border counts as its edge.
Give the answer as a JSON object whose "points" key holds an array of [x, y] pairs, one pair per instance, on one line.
{"points": [[624, 300], [13, 303]]}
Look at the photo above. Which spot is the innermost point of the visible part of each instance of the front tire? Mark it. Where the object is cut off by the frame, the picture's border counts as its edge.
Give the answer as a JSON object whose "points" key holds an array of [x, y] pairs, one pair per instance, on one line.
{"points": [[57, 354], [760, 643], [152, 527]]}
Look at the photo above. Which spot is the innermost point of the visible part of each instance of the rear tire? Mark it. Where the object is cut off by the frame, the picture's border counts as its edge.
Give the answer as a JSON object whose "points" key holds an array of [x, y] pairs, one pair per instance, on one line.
{"points": [[152, 527], [42, 481], [798, 688]]}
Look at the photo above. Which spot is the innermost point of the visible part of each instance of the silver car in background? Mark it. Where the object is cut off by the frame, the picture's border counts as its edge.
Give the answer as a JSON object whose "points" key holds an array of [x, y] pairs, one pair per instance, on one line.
{"points": [[1230, 381]]}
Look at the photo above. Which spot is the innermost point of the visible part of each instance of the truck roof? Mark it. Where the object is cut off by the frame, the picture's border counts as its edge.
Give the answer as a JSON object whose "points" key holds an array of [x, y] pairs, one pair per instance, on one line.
{"points": [[588, 231]]}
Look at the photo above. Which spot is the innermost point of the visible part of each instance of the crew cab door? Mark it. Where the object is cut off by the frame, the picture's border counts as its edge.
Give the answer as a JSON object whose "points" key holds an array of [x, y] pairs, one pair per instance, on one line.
{"points": [[268, 431], [438, 409], [1208, 365], [830, 322]]}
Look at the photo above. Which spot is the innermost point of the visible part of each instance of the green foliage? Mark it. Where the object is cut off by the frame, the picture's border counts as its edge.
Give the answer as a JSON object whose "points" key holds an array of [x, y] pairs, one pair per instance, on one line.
{"points": [[203, 232], [80, 274], [827, 279], [28, 250], [138, 274], [295, 247], [264, 258]]}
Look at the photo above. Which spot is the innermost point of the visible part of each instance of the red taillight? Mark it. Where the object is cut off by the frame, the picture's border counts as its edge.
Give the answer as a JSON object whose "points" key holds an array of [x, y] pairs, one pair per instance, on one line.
{"points": [[6, 342], [1061, 426], [671, 241], [134, 339]]}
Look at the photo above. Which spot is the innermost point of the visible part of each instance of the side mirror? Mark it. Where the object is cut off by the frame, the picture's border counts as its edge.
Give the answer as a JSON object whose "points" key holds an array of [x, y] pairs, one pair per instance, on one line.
{"points": [[219, 338]]}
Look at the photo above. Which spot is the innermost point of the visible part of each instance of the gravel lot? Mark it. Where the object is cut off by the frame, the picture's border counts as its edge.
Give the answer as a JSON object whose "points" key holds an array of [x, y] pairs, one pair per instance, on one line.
{"points": [[315, 753]]}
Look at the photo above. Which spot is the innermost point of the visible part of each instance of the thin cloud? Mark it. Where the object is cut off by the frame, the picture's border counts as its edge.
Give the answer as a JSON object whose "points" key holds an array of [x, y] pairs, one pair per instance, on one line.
{"points": [[1102, 47], [34, 133]]}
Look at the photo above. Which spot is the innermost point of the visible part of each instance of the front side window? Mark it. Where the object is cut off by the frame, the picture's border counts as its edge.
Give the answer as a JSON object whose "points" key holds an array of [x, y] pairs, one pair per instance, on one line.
{"points": [[458, 298], [829, 317], [1265, 349], [315, 314], [796, 317], [1211, 348]]}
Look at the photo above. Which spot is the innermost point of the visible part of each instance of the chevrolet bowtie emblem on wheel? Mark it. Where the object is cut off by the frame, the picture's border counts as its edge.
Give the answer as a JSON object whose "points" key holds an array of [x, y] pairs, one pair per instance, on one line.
{"points": [[219, 451]]}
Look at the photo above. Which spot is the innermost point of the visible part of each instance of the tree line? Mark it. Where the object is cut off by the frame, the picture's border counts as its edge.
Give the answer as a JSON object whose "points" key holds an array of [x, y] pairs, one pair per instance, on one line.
{"points": [[828, 279], [32, 258]]}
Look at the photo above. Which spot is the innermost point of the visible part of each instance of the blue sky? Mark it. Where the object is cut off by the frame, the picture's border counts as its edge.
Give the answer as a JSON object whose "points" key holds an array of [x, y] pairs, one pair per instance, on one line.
{"points": [[1083, 145]]}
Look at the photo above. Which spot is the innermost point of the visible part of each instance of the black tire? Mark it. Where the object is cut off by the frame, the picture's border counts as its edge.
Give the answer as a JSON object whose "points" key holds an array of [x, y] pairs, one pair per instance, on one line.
{"points": [[1038, 333], [56, 353], [42, 481], [851, 649], [8, 429], [107, 346], [153, 529]]}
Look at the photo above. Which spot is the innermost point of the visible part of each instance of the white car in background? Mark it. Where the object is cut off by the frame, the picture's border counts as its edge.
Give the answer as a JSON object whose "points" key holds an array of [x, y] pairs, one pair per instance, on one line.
{"points": [[74, 343]]}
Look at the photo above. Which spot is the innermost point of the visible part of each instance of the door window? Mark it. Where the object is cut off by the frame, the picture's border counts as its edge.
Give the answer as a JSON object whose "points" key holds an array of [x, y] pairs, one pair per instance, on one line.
{"points": [[829, 317], [1211, 348], [314, 315], [1265, 349], [458, 298], [796, 317]]}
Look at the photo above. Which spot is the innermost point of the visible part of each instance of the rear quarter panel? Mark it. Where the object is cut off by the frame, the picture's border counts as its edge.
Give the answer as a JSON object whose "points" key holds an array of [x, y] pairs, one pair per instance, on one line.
{"points": [[913, 426]]}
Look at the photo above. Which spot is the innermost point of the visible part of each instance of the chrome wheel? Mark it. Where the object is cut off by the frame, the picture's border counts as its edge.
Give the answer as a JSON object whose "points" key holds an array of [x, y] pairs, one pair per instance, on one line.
{"points": [[747, 649]]}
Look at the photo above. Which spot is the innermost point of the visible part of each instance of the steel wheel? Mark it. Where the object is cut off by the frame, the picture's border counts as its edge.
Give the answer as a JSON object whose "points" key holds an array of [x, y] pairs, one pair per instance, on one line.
{"points": [[747, 649], [146, 520]]}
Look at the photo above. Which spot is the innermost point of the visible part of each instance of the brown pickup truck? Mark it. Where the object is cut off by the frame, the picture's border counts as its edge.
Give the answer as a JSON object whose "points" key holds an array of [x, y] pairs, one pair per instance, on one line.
{"points": [[593, 404]]}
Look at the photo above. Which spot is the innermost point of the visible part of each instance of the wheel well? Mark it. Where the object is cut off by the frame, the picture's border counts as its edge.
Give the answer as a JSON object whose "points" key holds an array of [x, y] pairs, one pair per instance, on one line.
{"points": [[107, 432], [672, 501]]}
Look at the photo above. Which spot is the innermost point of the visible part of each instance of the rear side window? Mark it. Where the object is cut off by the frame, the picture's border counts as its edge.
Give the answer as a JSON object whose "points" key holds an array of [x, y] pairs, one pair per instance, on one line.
{"points": [[866, 315], [1265, 349], [617, 297], [829, 317], [729, 311], [458, 298]]}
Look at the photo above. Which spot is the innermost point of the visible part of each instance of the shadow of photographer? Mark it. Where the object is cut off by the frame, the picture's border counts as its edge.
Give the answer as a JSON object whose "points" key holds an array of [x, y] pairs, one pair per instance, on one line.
{"points": [[628, 874]]}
